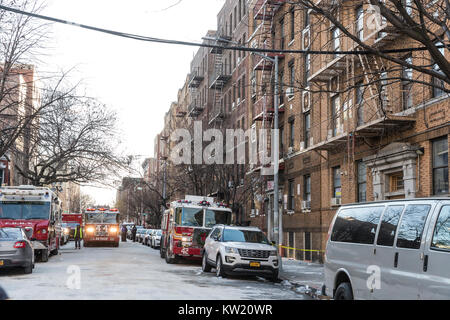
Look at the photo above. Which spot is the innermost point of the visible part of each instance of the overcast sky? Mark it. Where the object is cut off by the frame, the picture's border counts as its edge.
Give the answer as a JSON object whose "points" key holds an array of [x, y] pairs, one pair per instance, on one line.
{"points": [[138, 79]]}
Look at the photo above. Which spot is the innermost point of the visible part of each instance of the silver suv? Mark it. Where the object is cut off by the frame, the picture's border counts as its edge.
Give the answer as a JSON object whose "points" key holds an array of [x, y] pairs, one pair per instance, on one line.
{"points": [[240, 250]]}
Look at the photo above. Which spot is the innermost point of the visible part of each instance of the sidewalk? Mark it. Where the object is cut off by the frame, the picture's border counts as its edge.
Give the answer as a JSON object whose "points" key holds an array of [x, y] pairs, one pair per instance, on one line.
{"points": [[303, 277]]}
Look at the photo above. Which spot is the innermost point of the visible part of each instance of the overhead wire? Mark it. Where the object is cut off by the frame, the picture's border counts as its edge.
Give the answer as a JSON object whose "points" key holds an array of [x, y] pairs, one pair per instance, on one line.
{"points": [[194, 44]]}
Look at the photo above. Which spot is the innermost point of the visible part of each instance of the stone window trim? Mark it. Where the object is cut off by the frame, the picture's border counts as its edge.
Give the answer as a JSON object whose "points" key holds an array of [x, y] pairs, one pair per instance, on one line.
{"points": [[391, 159]]}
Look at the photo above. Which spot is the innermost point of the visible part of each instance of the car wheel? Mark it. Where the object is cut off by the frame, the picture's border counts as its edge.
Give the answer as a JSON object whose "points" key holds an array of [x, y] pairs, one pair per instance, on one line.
{"points": [[161, 253], [344, 292], [205, 266], [28, 269], [170, 258], [274, 277], [219, 267], [44, 255]]}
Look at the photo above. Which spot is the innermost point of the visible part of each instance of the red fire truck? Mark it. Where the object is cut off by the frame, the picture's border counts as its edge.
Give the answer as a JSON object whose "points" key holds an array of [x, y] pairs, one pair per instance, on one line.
{"points": [[101, 227], [71, 220], [186, 224], [33, 207]]}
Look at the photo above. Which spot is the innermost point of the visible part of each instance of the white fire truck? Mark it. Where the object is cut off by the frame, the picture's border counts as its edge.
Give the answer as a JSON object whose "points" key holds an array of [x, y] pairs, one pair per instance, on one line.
{"points": [[186, 224], [33, 207]]}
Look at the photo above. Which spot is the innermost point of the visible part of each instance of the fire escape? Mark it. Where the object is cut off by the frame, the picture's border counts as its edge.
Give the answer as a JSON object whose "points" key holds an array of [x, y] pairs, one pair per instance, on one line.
{"points": [[195, 80], [221, 74], [263, 69], [378, 105]]}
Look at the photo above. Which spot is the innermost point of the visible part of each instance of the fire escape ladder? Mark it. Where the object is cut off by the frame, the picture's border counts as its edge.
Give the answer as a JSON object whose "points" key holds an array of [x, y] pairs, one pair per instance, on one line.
{"points": [[373, 88]]}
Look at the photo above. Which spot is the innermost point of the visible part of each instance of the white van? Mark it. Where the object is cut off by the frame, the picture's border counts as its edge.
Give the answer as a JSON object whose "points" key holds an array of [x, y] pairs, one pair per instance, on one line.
{"points": [[397, 249]]}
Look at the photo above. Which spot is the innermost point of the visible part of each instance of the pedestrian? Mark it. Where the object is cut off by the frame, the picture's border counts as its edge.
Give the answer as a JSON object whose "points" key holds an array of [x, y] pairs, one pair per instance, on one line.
{"points": [[124, 233], [133, 233], [78, 236]]}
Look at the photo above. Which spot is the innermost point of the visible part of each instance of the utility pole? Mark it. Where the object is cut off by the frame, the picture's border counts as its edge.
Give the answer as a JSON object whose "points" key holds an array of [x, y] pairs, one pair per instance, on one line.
{"points": [[278, 232], [277, 217]]}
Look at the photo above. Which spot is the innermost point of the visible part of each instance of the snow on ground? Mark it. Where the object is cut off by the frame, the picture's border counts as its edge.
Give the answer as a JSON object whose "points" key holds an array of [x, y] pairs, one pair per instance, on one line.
{"points": [[132, 271], [303, 277]]}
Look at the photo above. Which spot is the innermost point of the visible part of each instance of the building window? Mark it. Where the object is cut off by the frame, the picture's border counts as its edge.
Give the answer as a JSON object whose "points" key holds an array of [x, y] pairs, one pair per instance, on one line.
{"points": [[308, 248], [281, 140], [438, 83], [440, 166], [292, 21], [335, 114], [291, 75], [362, 182], [407, 76], [306, 19], [291, 133], [291, 204], [360, 23], [383, 94], [307, 188], [240, 10], [335, 41], [307, 67], [337, 182], [243, 87], [360, 102], [281, 88], [239, 91], [282, 38], [396, 183], [307, 126]]}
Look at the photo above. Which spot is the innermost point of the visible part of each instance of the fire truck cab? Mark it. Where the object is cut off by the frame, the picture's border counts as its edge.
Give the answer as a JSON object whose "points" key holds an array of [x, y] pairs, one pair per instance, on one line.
{"points": [[37, 208], [71, 220], [186, 224], [101, 227]]}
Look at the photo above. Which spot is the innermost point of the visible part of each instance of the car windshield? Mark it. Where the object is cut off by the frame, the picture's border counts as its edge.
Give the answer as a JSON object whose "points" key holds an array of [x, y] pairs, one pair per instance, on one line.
{"points": [[214, 217], [159, 232], [102, 217], [24, 210], [190, 217], [71, 225], [10, 234], [236, 235]]}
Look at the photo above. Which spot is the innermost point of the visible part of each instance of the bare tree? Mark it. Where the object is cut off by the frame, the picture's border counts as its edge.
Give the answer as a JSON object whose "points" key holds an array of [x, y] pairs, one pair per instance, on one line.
{"points": [[74, 140]]}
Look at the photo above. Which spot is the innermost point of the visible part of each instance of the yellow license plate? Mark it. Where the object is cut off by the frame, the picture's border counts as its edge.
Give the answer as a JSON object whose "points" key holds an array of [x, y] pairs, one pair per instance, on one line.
{"points": [[255, 264], [1, 262]]}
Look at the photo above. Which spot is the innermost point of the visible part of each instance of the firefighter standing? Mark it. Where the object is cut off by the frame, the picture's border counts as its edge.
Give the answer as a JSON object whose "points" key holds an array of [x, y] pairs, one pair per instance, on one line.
{"points": [[124, 233], [78, 235], [133, 233]]}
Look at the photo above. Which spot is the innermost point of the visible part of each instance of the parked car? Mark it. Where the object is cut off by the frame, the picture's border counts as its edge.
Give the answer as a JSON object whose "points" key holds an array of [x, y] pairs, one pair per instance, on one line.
{"points": [[65, 233], [140, 232], [147, 236], [240, 250], [156, 238], [396, 249], [16, 249]]}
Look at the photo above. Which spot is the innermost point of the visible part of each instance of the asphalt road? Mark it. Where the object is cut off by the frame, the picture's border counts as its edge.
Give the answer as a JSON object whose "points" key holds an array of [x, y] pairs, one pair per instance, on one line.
{"points": [[132, 271]]}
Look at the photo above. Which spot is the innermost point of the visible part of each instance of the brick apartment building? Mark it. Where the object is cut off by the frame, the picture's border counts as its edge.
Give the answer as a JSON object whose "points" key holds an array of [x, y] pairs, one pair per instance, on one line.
{"points": [[21, 97], [351, 128]]}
